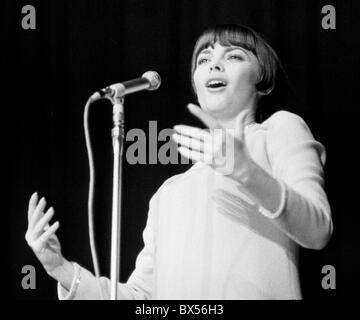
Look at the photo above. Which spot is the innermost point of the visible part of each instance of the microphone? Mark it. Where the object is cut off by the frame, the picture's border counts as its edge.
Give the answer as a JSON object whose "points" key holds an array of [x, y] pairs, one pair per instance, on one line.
{"points": [[150, 80]]}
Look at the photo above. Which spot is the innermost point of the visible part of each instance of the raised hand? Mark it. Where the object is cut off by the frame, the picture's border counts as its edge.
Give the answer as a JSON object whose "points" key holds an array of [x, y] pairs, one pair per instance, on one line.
{"points": [[222, 148], [41, 237]]}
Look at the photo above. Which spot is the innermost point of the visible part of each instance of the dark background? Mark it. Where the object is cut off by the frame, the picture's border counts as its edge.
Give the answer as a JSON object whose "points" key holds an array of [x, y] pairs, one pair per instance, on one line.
{"points": [[81, 46]]}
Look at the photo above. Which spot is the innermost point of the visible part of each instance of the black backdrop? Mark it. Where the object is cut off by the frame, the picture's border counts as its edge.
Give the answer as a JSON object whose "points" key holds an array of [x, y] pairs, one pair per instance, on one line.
{"points": [[80, 46]]}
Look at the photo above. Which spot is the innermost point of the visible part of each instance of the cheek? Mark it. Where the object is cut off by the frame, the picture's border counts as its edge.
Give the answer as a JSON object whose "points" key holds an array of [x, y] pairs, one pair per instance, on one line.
{"points": [[196, 80], [255, 73], [255, 76], [198, 83], [248, 77]]}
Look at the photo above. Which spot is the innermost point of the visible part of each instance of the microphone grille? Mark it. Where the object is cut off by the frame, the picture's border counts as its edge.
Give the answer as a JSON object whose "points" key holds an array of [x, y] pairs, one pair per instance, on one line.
{"points": [[154, 79]]}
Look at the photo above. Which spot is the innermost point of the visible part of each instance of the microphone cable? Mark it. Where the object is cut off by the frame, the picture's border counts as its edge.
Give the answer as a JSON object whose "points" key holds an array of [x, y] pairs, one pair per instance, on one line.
{"points": [[94, 256]]}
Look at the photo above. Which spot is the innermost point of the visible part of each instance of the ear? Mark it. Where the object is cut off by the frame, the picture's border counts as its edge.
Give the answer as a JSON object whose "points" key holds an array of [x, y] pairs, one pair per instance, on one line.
{"points": [[266, 92], [262, 89]]}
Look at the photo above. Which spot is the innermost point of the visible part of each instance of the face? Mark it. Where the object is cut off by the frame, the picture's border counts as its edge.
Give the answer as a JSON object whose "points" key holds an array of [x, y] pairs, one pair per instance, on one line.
{"points": [[225, 79]]}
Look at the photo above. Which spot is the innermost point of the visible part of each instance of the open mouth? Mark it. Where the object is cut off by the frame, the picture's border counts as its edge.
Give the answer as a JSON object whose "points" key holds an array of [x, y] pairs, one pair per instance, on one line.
{"points": [[214, 84]]}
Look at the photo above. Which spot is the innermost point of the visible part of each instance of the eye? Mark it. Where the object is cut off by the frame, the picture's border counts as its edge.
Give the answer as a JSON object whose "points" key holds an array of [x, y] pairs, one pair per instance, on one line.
{"points": [[202, 60], [236, 57]]}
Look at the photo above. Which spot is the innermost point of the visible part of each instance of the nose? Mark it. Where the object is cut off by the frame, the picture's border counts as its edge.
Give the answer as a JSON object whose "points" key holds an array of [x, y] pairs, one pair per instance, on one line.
{"points": [[216, 65]]}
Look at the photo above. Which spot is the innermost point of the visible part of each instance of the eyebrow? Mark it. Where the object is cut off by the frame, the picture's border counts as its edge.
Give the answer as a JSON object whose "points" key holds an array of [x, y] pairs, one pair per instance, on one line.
{"points": [[227, 49]]}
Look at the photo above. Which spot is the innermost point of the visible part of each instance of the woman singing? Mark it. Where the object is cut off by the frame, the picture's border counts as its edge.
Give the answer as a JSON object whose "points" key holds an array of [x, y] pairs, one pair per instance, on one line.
{"points": [[230, 226]]}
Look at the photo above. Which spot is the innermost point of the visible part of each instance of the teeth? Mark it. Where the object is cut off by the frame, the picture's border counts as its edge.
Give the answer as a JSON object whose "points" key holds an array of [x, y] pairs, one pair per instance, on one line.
{"points": [[216, 83]]}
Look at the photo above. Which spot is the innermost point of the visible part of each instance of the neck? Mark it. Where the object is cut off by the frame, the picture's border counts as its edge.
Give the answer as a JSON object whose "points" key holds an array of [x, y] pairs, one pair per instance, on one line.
{"points": [[230, 123]]}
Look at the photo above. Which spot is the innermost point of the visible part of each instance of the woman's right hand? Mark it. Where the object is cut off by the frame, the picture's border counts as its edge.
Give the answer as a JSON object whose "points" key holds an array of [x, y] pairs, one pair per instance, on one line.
{"points": [[41, 237]]}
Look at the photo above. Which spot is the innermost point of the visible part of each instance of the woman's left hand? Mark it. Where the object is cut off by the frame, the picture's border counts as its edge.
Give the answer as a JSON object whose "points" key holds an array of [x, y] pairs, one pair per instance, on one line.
{"points": [[223, 149]]}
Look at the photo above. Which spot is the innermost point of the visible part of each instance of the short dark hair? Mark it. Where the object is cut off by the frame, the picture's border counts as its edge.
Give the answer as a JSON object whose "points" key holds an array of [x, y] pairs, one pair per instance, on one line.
{"points": [[247, 38]]}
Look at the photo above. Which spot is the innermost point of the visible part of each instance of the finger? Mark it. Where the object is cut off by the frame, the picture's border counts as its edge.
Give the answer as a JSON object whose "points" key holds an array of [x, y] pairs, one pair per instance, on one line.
{"points": [[195, 155], [194, 144], [193, 132], [206, 118], [38, 213], [47, 234], [190, 143], [40, 226], [32, 204]]}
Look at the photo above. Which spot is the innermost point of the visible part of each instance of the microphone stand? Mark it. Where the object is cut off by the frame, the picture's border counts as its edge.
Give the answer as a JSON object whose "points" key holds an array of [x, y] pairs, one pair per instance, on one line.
{"points": [[115, 93], [117, 134]]}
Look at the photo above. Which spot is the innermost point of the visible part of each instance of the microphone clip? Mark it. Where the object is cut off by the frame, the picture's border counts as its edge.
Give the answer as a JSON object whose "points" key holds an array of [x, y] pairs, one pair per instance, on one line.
{"points": [[114, 93]]}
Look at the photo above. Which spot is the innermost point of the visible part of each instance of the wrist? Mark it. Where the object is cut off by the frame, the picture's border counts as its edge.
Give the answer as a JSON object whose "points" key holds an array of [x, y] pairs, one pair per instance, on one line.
{"points": [[64, 273], [275, 213], [245, 172], [265, 190]]}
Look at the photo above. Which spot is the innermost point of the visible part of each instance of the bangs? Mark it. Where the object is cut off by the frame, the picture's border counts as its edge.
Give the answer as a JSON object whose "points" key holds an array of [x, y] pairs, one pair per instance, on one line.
{"points": [[231, 36]]}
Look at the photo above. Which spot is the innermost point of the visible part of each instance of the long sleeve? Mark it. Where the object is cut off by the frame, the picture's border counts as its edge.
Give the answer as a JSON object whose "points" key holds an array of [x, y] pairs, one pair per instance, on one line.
{"points": [[297, 159], [139, 285]]}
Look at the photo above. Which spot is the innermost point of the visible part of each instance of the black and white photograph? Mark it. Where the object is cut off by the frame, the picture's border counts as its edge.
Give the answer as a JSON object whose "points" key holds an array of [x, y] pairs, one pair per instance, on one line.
{"points": [[187, 152]]}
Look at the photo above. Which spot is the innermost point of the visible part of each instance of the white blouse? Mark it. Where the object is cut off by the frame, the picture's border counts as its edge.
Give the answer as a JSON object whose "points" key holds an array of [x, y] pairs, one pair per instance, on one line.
{"points": [[205, 238]]}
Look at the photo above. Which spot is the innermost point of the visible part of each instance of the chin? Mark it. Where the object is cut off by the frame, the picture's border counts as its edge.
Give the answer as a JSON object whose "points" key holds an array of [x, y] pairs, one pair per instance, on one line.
{"points": [[216, 108]]}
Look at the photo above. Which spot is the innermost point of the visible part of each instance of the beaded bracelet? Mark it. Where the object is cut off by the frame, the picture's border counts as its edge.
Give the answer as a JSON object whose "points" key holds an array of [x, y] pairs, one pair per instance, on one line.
{"points": [[274, 215]]}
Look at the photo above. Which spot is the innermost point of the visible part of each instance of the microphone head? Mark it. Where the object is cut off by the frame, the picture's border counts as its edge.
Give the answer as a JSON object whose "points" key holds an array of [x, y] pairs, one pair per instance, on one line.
{"points": [[154, 79]]}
